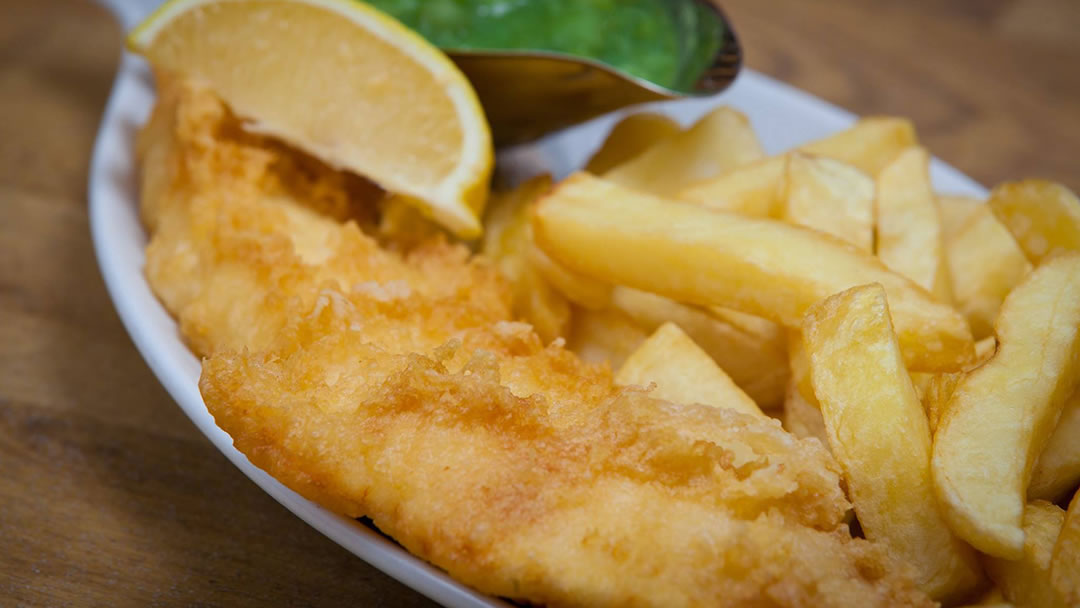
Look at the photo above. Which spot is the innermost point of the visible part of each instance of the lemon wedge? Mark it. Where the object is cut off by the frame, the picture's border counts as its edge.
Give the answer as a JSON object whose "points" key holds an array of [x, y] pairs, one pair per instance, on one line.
{"points": [[343, 82]]}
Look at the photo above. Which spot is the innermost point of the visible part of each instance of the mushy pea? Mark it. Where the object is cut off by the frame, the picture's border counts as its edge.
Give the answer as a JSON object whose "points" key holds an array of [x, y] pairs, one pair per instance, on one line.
{"points": [[668, 43]]}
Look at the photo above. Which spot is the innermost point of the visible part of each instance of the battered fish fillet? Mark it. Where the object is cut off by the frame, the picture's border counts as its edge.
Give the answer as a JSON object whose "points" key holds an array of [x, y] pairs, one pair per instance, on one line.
{"points": [[396, 385]]}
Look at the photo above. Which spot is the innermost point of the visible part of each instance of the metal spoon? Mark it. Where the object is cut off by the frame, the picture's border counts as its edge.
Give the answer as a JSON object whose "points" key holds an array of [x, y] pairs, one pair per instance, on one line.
{"points": [[527, 94]]}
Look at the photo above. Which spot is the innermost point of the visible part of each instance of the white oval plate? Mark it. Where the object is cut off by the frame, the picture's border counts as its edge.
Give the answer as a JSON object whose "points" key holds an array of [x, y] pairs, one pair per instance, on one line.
{"points": [[782, 116]]}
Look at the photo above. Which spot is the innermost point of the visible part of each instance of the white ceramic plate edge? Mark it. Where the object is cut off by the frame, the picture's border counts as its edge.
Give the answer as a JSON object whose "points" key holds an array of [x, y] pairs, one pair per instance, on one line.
{"points": [[783, 116]]}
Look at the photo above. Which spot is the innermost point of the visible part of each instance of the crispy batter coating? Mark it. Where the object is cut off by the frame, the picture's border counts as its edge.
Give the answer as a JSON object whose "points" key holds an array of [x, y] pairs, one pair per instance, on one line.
{"points": [[397, 386]]}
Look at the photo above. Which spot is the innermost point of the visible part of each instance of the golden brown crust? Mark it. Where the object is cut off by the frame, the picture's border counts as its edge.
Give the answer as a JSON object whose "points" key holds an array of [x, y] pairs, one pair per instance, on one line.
{"points": [[398, 387]]}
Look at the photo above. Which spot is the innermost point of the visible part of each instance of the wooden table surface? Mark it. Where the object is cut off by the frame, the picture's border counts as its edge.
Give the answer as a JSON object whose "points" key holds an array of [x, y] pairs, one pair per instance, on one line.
{"points": [[109, 496]]}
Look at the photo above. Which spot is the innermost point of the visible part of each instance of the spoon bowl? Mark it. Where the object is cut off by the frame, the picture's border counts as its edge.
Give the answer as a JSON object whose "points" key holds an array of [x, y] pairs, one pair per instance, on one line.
{"points": [[529, 93]]}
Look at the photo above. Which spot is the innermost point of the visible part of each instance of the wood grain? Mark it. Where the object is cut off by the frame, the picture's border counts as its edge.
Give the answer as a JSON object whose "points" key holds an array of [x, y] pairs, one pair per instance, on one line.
{"points": [[109, 496], [992, 85]]}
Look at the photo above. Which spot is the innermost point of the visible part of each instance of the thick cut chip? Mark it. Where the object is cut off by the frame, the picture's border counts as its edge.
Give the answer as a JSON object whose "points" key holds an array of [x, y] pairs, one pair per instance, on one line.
{"points": [[507, 239], [755, 189], [541, 286], [938, 388], [632, 136], [722, 140], [749, 323], [992, 598], [909, 234], [936, 396], [1058, 470], [800, 367], [878, 431], [802, 418], [1043, 216], [749, 349], [507, 209], [604, 335], [758, 266], [985, 263], [1025, 581], [545, 309], [1065, 563], [956, 210], [984, 349], [830, 196], [682, 372], [870, 145], [1001, 415], [405, 225], [921, 380], [583, 291]]}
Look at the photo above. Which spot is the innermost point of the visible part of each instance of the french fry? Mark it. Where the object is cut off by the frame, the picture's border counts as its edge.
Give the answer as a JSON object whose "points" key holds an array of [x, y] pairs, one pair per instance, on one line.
{"points": [[757, 266], [985, 262], [719, 142], [682, 372], [755, 189], [870, 145], [1025, 581], [631, 136], [936, 396], [751, 324], [878, 431], [402, 222], [984, 349], [1043, 217], [992, 598], [1001, 415], [507, 238], [506, 216], [545, 309], [909, 234], [956, 211], [801, 418], [1058, 470], [1065, 562], [830, 196], [583, 291], [800, 367], [921, 381], [939, 387], [749, 349], [604, 335]]}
